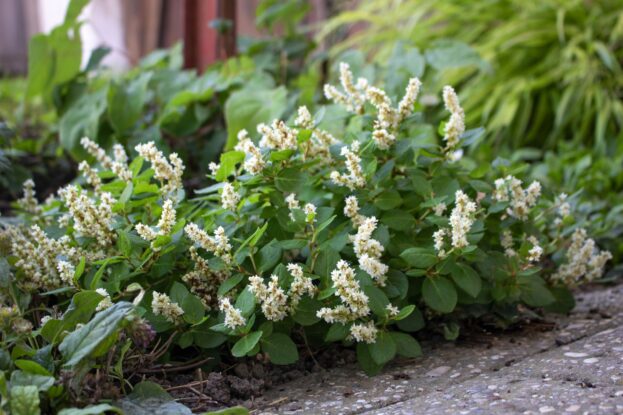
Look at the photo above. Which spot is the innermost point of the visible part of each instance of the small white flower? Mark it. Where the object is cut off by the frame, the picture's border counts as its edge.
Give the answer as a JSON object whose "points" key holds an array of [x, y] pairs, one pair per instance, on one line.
{"points": [[161, 305], [233, 316], [104, 302], [229, 197]]}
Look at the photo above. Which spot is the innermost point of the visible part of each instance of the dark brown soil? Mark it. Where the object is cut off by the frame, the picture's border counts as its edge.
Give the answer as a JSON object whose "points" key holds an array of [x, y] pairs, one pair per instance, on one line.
{"points": [[244, 382]]}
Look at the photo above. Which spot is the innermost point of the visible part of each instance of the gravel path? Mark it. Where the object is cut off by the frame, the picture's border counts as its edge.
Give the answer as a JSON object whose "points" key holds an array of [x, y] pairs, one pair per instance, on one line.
{"points": [[574, 368]]}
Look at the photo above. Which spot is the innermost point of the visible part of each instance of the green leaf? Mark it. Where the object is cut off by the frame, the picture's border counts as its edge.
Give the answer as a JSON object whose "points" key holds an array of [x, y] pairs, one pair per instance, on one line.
{"points": [[364, 358], [305, 313], [419, 257], [125, 102], [290, 180], [564, 300], [246, 108], [398, 220], [406, 345], [280, 348], [74, 9], [228, 163], [281, 155], [467, 279], [245, 302], [388, 199], [193, 309], [42, 382], [383, 349], [439, 294], [534, 292], [229, 283], [326, 261], [405, 312], [246, 344], [25, 400], [446, 54], [81, 343], [377, 300], [268, 256], [33, 367], [337, 332]]}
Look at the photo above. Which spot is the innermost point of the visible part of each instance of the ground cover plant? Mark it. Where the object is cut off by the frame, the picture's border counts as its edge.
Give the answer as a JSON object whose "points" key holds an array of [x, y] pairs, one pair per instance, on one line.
{"points": [[359, 226]]}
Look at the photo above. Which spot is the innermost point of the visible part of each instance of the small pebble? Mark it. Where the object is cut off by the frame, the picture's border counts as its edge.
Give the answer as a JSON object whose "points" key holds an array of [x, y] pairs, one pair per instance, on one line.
{"points": [[575, 354], [591, 360], [438, 371]]}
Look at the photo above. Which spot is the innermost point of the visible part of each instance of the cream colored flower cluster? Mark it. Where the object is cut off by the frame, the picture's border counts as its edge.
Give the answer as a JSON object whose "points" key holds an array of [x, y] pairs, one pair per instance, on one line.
{"points": [[369, 251], [204, 281], [218, 244], [462, 218], [309, 209], [521, 200], [455, 127], [354, 178], [535, 253], [585, 262], [275, 302], [45, 263], [254, 162], [66, 272], [119, 166], [354, 96], [162, 305], [278, 136], [233, 316], [364, 332], [354, 300], [28, 202], [90, 175], [389, 118], [164, 226], [351, 211], [229, 197], [168, 172], [320, 140], [90, 219], [105, 302]]}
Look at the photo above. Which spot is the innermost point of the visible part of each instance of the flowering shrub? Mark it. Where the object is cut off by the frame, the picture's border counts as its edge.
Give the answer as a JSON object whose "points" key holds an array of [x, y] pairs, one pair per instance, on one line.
{"points": [[305, 238]]}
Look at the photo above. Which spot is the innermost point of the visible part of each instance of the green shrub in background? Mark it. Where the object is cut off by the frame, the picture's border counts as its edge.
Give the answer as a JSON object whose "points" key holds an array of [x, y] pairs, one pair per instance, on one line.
{"points": [[552, 71], [360, 226], [155, 101]]}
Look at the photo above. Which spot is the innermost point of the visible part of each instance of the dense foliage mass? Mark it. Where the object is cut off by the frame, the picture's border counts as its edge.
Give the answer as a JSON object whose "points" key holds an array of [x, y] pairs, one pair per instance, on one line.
{"points": [[545, 74], [359, 226], [535, 72]]}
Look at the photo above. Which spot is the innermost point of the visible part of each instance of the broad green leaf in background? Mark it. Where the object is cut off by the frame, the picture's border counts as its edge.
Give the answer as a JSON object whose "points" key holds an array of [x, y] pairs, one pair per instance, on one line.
{"points": [[126, 101], [247, 108]]}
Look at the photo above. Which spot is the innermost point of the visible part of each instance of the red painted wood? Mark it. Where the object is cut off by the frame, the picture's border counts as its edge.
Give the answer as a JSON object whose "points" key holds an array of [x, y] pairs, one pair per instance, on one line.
{"points": [[203, 45]]}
